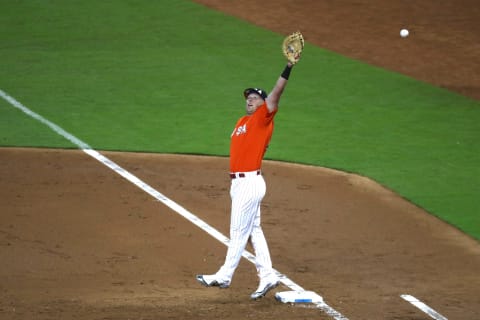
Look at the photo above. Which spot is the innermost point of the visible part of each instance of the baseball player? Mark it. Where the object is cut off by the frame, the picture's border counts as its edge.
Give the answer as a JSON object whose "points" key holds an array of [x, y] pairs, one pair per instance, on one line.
{"points": [[249, 141]]}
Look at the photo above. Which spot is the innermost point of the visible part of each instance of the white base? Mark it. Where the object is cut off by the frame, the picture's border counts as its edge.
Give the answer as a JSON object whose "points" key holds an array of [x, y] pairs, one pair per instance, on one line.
{"points": [[298, 297]]}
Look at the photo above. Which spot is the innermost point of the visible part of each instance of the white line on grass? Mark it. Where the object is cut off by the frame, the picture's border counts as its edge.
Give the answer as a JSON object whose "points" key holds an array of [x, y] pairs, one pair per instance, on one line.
{"points": [[422, 306], [160, 197]]}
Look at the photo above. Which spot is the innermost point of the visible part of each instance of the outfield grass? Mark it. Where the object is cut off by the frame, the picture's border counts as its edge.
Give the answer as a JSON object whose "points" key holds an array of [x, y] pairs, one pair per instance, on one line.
{"points": [[146, 76]]}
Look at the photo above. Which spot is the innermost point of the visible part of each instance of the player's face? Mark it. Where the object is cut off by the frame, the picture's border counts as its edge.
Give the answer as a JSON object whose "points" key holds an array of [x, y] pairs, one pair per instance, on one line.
{"points": [[253, 101]]}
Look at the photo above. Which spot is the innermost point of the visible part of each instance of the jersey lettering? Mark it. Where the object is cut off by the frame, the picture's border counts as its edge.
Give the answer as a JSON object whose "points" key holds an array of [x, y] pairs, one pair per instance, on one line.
{"points": [[241, 130]]}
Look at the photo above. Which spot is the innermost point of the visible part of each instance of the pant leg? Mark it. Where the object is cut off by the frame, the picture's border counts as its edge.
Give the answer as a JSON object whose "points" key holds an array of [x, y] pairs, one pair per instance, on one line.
{"points": [[263, 261], [246, 194]]}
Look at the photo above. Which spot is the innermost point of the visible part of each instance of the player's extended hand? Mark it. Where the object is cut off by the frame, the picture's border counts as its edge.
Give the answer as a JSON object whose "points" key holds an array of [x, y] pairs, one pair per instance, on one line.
{"points": [[297, 58], [292, 47]]}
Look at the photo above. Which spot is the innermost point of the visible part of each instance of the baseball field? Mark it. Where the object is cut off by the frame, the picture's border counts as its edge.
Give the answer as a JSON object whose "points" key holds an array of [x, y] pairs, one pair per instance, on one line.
{"points": [[115, 118]]}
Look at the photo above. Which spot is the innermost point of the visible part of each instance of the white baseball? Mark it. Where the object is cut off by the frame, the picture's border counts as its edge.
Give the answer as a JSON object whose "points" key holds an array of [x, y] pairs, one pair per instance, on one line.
{"points": [[404, 33]]}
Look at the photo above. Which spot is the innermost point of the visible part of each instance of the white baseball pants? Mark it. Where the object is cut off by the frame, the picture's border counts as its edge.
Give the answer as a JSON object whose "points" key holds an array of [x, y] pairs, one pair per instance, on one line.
{"points": [[247, 194]]}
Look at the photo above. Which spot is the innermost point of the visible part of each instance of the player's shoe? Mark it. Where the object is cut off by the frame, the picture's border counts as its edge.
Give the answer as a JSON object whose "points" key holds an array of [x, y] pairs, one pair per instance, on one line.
{"points": [[211, 281], [264, 287]]}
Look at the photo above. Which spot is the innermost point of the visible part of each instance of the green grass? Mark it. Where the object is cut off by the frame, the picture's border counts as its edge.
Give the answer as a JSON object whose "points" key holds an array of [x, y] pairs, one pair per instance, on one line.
{"points": [[146, 76]]}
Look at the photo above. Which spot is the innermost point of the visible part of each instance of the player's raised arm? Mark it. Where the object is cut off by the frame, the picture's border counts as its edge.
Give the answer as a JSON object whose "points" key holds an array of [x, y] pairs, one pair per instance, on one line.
{"points": [[292, 48], [274, 96]]}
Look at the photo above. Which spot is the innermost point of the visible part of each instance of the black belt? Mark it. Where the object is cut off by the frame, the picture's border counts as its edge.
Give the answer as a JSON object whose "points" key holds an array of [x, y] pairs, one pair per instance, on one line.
{"points": [[241, 174]]}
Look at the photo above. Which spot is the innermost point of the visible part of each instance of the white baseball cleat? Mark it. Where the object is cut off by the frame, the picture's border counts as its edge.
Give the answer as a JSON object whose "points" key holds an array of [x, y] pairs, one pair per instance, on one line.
{"points": [[210, 281], [263, 289]]}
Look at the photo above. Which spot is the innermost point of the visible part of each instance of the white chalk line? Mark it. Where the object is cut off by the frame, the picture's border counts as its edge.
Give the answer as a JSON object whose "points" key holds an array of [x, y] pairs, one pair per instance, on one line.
{"points": [[160, 197], [423, 307]]}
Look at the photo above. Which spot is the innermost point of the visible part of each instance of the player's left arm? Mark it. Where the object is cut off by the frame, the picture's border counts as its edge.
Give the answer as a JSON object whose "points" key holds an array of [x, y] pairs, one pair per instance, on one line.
{"points": [[274, 97]]}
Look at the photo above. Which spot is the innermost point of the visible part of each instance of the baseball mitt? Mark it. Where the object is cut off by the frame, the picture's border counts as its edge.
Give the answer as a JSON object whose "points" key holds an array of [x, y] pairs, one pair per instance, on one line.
{"points": [[292, 47]]}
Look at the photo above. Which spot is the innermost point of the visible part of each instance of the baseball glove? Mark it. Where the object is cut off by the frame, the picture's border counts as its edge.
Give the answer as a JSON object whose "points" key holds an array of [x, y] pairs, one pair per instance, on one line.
{"points": [[292, 47]]}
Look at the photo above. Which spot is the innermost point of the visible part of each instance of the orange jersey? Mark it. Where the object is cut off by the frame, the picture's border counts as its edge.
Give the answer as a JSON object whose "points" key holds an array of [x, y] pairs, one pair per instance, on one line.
{"points": [[250, 140]]}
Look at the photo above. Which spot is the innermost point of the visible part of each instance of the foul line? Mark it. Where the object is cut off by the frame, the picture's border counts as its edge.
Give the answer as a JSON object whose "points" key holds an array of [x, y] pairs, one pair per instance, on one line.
{"points": [[157, 195], [422, 306]]}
